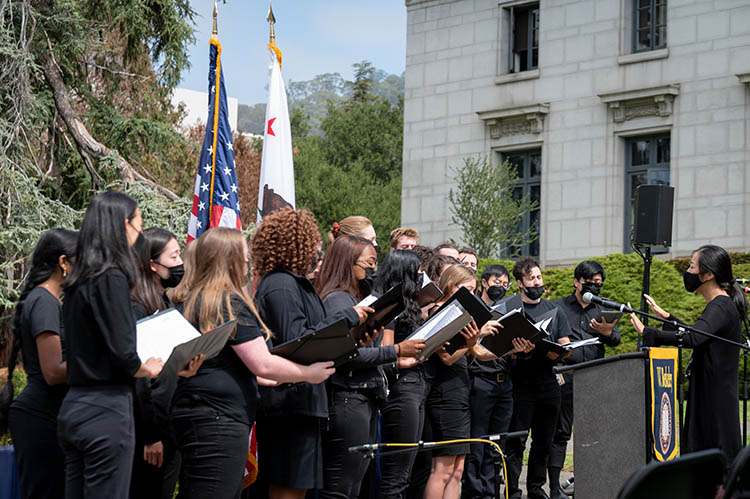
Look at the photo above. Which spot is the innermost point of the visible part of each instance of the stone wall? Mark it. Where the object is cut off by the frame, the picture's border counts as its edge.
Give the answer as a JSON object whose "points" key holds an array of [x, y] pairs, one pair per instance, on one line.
{"points": [[588, 96]]}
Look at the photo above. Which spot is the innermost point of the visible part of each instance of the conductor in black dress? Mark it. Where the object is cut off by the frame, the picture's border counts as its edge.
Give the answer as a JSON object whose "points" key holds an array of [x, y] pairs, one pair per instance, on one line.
{"points": [[712, 419]]}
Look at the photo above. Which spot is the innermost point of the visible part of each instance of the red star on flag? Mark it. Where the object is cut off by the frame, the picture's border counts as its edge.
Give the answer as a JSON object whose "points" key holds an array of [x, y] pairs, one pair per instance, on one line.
{"points": [[270, 130]]}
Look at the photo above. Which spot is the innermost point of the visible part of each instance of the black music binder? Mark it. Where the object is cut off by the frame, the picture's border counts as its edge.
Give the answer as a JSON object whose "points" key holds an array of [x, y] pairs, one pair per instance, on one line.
{"points": [[333, 342], [386, 307]]}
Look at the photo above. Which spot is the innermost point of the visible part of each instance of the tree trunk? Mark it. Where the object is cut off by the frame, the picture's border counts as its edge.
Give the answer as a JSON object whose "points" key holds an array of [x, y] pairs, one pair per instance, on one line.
{"points": [[89, 148]]}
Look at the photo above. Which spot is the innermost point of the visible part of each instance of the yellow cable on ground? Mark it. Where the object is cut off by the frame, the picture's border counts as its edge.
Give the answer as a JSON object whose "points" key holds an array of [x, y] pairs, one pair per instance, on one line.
{"points": [[462, 441]]}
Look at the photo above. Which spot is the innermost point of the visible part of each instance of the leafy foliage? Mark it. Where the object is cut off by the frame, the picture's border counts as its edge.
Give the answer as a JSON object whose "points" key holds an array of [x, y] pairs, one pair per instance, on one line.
{"points": [[485, 207]]}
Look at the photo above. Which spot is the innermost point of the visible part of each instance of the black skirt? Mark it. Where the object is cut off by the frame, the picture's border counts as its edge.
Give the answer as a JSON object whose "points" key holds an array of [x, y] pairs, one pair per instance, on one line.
{"points": [[450, 415], [290, 451]]}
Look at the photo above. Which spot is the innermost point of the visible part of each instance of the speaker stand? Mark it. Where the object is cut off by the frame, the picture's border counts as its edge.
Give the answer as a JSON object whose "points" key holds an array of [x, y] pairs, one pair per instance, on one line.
{"points": [[645, 286]]}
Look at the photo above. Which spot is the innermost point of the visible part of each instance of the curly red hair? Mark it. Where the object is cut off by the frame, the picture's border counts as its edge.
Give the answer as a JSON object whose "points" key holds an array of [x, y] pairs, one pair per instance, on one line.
{"points": [[285, 239]]}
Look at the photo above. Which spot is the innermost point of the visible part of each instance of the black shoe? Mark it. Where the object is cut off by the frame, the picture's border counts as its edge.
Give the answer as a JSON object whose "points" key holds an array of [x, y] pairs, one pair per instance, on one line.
{"points": [[558, 494]]}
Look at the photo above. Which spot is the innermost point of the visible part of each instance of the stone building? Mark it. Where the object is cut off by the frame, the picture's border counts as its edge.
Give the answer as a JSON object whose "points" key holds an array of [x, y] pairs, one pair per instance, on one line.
{"points": [[589, 98]]}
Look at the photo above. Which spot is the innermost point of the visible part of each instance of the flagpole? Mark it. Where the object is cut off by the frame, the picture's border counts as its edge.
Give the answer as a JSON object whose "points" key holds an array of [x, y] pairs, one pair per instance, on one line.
{"points": [[271, 21], [215, 128]]}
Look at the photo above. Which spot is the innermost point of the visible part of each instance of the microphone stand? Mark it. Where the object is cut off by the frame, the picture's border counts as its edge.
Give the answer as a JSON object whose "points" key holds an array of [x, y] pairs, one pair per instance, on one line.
{"points": [[681, 329], [368, 450], [745, 352]]}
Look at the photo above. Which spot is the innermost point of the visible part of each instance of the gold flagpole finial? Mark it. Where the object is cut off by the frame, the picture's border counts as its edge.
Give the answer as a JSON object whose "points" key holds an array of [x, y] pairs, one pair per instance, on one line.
{"points": [[271, 20], [215, 31]]}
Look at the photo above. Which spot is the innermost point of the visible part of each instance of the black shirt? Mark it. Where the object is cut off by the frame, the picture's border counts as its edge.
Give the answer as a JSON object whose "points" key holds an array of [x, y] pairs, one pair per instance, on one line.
{"points": [[579, 319], [291, 308], [100, 340], [41, 313], [224, 382], [535, 370]]}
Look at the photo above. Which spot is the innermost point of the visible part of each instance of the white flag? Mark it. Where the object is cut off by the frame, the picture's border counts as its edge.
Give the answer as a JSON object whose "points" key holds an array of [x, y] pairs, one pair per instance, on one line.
{"points": [[276, 189]]}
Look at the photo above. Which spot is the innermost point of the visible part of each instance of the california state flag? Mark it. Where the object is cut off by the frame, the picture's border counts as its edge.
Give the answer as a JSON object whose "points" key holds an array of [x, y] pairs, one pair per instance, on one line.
{"points": [[276, 189]]}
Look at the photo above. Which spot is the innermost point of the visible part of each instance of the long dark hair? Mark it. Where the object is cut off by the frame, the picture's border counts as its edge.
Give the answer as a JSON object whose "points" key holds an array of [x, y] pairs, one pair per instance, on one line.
{"points": [[145, 289], [402, 267], [336, 272], [44, 261], [715, 259], [103, 241]]}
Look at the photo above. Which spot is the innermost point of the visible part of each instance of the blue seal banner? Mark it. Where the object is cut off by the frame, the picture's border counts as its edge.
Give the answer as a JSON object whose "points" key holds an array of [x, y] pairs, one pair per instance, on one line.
{"points": [[663, 363]]}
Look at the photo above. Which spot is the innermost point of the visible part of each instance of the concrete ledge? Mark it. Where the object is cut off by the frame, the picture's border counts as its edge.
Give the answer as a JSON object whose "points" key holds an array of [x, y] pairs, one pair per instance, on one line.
{"points": [[649, 55], [511, 77]]}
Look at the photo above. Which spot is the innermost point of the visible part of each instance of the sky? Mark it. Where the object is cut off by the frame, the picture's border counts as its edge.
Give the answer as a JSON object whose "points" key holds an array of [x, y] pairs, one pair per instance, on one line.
{"points": [[315, 37]]}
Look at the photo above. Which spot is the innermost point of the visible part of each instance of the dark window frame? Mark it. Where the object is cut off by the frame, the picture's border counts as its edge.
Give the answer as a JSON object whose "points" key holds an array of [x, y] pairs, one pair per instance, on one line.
{"points": [[652, 28], [654, 170], [532, 35], [526, 182]]}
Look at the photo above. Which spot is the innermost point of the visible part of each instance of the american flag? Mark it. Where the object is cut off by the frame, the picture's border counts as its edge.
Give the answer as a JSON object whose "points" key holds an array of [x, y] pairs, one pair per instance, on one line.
{"points": [[216, 201]]}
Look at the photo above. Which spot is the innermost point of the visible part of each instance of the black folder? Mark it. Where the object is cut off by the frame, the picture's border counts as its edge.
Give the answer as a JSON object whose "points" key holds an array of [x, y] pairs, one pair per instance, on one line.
{"points": [[438, 337], [475, 307], [386, 307], [516, 324], [333, 342], [430, 293], [209, 343]]}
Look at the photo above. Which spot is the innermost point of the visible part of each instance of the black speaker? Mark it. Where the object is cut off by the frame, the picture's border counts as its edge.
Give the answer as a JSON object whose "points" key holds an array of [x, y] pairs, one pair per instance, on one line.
{"points": [[653, 215]]}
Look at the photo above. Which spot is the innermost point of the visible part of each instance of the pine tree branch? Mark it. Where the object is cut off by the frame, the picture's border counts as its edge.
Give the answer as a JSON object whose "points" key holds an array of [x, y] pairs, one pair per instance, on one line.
{"points": [[87, 145]]}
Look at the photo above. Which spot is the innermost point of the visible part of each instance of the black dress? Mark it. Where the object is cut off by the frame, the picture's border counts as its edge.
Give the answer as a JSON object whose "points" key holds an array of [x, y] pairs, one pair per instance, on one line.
{"points": [[712, 419], [33, 415]]}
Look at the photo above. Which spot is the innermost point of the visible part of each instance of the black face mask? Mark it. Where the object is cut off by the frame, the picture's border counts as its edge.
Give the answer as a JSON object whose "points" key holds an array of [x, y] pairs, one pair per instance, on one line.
{"points": [[591, 287], [366, 284], [175, 275], [496, 292], [534, 292], [692, 281]]}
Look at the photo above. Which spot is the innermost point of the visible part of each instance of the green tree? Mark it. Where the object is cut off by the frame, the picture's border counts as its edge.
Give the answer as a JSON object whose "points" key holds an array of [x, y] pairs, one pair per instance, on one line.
{"points": [[485, 207], [363, 81]]}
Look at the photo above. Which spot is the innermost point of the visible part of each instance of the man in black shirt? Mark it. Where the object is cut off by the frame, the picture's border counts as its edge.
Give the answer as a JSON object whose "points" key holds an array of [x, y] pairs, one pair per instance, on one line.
{"points": [[536, 392], [586, 322], [491, 399]]}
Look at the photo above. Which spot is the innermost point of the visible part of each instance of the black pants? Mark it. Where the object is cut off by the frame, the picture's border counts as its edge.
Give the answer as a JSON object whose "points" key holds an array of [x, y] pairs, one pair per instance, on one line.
{"points": [[352, 420], [95, 431], [151, 482], [564, 426], [41, 463], [403, 418], [535, 408], [214, 451], [491, 409]]}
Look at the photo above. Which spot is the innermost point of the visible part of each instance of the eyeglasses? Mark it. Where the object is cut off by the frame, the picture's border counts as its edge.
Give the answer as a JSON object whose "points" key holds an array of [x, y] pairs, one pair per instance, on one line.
{"points": [[371, 264]]}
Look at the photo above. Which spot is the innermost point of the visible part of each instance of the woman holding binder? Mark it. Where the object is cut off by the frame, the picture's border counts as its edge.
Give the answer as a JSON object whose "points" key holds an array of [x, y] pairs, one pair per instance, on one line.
{"points": [[403, 411], [156, 462], [448, 399], [37, 333], [284, 247], [212, 412], [358, 387], [95, 423]]}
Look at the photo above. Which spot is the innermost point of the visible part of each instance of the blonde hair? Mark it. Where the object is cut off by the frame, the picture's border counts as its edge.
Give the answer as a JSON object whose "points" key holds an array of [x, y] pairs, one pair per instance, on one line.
{"points": [[218, 274], [453, 276], [350, 226], [396, 234]]}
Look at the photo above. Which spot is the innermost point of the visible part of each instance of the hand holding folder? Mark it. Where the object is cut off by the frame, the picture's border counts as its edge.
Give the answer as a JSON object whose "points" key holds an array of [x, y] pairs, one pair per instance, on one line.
{"points": [[169, 335], [333, 342]]}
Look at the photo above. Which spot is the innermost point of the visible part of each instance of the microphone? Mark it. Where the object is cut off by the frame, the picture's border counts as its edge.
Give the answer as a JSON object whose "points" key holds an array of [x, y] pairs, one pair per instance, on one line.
{"points": [[606, 303]]}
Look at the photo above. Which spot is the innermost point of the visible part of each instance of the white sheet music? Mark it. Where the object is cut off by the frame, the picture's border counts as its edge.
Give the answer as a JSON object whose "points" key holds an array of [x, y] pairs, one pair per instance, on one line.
{"points": [[582, 343], [367, 301], [157, 336], [439, 321]]}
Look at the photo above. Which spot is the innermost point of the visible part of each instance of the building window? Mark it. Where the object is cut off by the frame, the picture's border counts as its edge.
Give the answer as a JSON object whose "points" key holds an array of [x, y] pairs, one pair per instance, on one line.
{"points": [[649, 25], [646, 162], [528, 166], [524, 38]]}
